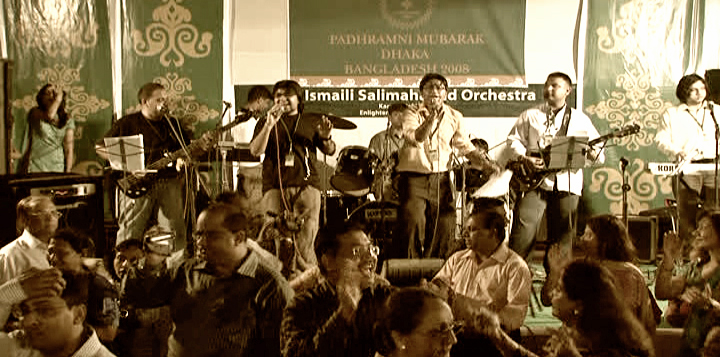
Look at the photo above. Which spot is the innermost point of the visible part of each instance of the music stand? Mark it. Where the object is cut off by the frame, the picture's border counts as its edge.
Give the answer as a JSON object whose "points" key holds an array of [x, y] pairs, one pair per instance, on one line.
{"points": [[126, 153], [567, 153]]}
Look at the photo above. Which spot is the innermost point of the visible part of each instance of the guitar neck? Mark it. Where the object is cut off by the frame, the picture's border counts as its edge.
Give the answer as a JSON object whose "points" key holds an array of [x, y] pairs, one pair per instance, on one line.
{"points": [[190, 151]]}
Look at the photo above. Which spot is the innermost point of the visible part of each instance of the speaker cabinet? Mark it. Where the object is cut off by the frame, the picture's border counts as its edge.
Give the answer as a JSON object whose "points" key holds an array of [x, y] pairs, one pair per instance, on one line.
{"points": [[79, 199], [644, 234]]}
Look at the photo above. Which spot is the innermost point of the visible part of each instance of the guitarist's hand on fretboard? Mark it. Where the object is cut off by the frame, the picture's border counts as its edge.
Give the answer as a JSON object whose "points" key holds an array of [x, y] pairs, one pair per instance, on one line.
{"points": [[534, 162]]}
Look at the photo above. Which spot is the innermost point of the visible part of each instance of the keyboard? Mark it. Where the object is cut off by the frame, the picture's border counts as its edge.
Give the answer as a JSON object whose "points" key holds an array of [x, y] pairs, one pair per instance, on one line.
{"points": [[670, 168]]}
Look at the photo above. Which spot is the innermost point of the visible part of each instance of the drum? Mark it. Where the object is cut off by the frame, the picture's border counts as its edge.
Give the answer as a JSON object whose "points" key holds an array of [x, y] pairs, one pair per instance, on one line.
{"points": [[354, 172], [474, 178], [379, 219], [337, 206]]}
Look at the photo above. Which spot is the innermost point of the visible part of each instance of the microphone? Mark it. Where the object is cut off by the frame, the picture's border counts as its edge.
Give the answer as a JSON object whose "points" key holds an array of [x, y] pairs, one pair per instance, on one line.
{"points": [[243, 115], [227, 104], [710, 105], [623, 163]]}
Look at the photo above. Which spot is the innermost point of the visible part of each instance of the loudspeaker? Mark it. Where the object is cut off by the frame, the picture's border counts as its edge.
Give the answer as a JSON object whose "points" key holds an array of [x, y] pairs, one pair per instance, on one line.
{"points": [[644, 234], [712, 79], [79, 199]]}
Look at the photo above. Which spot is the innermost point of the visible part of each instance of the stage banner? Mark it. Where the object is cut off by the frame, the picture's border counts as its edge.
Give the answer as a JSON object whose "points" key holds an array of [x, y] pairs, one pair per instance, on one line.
{"points": [[630, 78], [177, 43], [65, 43], [373, 102], [381, 43]]}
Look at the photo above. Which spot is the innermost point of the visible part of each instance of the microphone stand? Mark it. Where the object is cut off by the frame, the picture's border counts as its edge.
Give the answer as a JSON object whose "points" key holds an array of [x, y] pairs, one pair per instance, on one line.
{"points": [[625, 190], [223, 183], [717, 140]]}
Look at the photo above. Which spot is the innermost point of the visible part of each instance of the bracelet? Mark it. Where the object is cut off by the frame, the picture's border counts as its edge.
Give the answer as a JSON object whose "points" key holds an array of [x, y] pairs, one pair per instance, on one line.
{"points": [[327, 139]]}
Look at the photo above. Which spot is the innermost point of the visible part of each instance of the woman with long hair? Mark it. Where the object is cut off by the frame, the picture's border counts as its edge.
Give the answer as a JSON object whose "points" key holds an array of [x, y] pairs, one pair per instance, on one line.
{"points": [[49, 139], [596, 320], [699, 286], [607, 241]]}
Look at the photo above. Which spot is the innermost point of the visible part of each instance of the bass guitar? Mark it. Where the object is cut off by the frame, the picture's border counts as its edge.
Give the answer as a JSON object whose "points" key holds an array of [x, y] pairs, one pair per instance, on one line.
{"points": [[135, 186], [526, 177]]}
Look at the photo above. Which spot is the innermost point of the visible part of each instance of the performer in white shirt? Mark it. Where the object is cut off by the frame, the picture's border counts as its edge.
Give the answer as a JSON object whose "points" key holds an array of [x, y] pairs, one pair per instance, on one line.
{"points": [[558, 195], [687, 133]]}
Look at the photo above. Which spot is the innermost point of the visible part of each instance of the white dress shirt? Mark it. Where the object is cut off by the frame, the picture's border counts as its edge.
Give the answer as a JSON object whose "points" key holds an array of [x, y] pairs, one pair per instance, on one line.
{"points": [[532, 130], [448, 133], [502, 281], [23, 253]]}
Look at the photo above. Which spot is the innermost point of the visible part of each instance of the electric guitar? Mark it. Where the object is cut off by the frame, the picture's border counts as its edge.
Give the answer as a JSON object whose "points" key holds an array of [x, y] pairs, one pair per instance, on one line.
{"points": [[527, 177], [135, 186]]}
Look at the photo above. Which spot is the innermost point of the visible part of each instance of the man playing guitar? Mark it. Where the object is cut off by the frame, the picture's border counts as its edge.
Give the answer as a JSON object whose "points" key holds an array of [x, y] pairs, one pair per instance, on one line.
{"points": [[162, 198], [559, 193]]}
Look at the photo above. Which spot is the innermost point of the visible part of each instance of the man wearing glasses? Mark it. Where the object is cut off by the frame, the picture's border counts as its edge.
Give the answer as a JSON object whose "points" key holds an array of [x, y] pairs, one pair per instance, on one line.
{"points": [[487, 274], [329, 318], [52, 314], [427, 209], [38, 217], [227, 300]]}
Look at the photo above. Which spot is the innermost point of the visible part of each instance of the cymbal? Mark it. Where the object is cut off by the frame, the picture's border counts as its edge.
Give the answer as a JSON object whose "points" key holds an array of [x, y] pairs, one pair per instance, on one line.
{"points": [[338, 122]]}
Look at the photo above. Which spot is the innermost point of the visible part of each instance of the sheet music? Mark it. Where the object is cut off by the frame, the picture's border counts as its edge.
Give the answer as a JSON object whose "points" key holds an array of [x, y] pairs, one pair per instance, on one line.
{"points": [[126, 153], [566, 152]]}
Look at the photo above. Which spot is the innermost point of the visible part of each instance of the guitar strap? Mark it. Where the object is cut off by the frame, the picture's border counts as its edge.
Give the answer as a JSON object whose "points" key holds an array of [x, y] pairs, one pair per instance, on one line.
{"points": [[565, 122]]}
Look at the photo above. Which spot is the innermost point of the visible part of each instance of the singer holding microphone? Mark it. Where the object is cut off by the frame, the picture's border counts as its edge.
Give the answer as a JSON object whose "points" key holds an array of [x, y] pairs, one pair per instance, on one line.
{"points": [[687, 133], [164, 198], [427, 209], [290, 169]]}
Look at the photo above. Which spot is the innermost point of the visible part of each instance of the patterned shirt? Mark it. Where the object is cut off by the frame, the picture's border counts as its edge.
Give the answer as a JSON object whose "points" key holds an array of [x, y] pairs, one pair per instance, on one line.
{"points": [[238, 315]]}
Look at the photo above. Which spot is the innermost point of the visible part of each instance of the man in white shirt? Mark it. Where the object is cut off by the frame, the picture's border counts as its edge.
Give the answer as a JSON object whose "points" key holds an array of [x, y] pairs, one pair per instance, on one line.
{"points": [[39, 218], [687, 132], [53, 308], [427, 207], [558, 194], [487, 274]]}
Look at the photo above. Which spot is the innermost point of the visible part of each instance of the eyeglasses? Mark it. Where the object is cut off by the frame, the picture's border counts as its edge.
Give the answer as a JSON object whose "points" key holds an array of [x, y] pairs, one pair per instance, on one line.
{"points": [[431, 87], [444, 331], [357, 252], [53, 213]]}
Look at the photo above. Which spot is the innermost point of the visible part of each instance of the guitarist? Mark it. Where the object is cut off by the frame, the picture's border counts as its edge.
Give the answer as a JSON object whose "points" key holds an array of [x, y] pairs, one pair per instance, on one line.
{"points": [[163, 200], [559, 193]]}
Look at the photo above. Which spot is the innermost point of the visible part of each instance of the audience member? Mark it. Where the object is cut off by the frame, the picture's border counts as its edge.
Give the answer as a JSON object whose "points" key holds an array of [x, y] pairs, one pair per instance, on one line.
{"points": [[487, 274], [125, 255], [257, 219], [149, 322], [596, 321], [66, 251], [416, 322], [607, 241], [678, 309], [698, 286], [226, 301], [711, 347], [38, 218], [335, 317], [53, 310]]}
